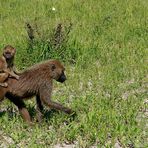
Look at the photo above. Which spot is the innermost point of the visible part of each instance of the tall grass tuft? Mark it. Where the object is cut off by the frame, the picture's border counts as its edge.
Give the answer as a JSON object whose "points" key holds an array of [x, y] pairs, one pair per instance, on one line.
{"points": [[46, 45]]}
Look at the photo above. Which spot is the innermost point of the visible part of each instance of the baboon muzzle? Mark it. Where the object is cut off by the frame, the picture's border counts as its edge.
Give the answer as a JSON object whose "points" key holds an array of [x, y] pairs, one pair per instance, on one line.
{"points": [[7, 55], [62, 78]]}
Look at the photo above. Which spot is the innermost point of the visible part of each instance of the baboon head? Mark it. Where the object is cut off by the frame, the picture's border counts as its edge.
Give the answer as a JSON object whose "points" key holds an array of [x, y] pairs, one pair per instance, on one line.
{"points": [[9, 52], [57, 70]]}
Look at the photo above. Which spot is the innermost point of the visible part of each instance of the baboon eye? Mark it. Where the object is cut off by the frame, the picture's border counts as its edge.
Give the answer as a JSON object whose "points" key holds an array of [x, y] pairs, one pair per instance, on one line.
{"points": [[53, 67]]}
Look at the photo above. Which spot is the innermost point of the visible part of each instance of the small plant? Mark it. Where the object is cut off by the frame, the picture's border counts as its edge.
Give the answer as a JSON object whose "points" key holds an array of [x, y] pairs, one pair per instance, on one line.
{"points": [[49, 45], [30, 32]]}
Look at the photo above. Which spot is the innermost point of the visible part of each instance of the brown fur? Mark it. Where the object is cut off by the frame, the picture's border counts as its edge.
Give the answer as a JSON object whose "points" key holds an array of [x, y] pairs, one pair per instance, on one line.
{"points": [[36, 81], [7, 65]]}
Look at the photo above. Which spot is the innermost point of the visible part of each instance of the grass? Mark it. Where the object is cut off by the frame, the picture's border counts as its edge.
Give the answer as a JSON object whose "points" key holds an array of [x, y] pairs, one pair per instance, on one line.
{"points": [[107, 83]]}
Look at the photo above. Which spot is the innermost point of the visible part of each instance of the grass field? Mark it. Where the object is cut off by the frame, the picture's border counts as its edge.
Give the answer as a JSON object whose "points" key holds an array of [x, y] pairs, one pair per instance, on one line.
{"points": [[105, 55]]}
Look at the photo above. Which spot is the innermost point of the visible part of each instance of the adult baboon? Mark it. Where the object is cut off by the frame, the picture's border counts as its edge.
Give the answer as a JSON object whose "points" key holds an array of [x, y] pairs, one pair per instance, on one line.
{"points": [[36, 81]]}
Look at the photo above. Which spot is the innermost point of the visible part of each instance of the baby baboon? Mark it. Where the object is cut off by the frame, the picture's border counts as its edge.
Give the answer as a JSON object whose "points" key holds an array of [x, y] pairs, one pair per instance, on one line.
{"points": [[36, 81], [7, 65]]}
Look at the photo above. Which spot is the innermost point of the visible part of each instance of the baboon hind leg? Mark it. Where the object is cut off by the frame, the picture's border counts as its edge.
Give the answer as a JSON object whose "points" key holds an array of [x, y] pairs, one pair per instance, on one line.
{"points": [[21, 107]]}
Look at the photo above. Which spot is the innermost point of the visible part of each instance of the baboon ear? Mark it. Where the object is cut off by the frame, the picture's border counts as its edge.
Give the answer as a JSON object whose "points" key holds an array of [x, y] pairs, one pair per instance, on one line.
{"points": [[53, 67]]}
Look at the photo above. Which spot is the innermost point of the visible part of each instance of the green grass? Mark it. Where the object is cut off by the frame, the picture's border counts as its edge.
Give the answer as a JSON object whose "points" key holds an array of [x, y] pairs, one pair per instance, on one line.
{"points": [[107, 84]]}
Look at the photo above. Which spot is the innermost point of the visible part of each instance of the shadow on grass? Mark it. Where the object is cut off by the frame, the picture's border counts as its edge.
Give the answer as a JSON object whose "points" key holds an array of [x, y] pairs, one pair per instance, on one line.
{"points": [[10, 111], [49, 114], [2, 113]]}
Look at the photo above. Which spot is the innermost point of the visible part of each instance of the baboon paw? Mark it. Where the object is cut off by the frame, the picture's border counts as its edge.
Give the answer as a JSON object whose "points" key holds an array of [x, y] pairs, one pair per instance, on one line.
{"points": [[69, 111], [17, 77], [5, 85]]}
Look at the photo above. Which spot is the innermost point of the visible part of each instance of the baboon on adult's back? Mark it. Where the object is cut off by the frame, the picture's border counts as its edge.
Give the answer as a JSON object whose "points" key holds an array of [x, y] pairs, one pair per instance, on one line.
{"points": [[7, 65], [36, 81]]}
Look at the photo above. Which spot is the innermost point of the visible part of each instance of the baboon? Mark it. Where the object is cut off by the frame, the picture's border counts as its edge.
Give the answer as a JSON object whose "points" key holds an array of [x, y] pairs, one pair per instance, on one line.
{"points": [[7, 65], [36, 81]]}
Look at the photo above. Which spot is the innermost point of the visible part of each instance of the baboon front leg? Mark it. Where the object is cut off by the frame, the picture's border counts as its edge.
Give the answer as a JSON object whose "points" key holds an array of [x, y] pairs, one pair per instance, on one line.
{"points": [[58, 106], [4, 84], [21, 107], [12, 74], [39, 109], [45, 97]]}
